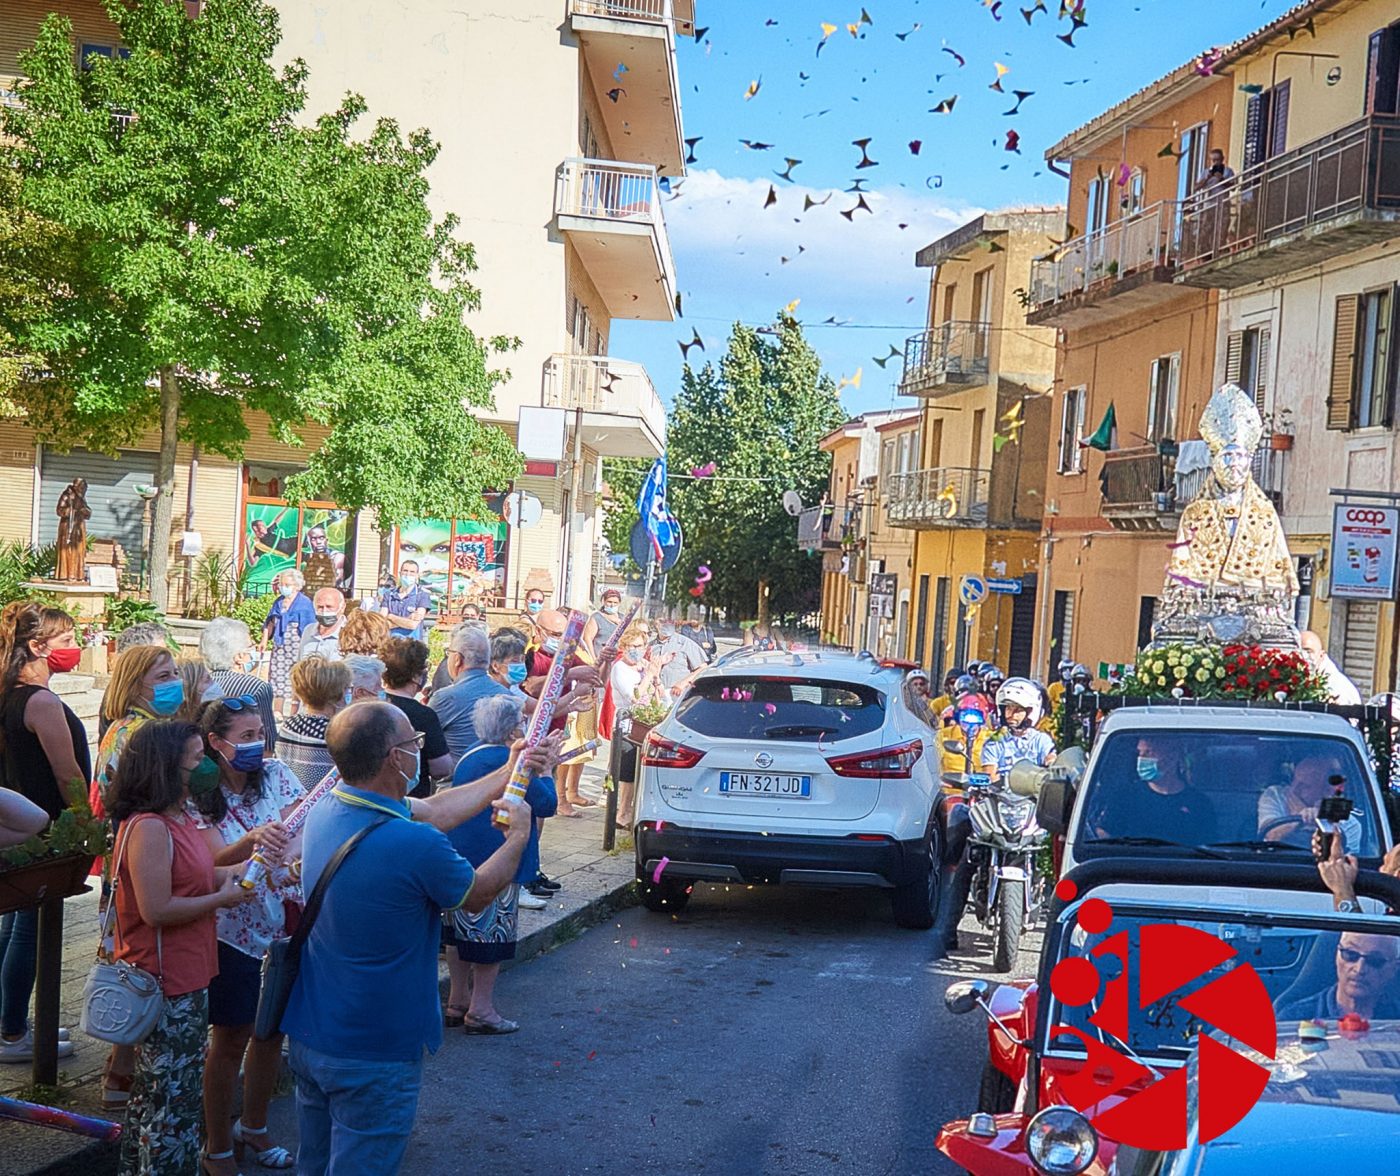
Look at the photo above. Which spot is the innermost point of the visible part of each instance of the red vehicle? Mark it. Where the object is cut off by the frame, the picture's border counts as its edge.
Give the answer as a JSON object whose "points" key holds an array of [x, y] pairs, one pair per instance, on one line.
{"points": [[1065, 1068]]}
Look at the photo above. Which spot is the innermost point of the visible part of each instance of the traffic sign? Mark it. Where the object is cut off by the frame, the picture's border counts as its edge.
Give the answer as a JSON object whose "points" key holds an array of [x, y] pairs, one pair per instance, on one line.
{"points": [[639, 543], [972, 590], [1005, 585]]}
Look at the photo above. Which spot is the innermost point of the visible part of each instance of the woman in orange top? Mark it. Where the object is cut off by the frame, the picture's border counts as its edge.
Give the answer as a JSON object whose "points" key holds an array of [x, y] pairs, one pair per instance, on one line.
{"points": [[166, 891]]}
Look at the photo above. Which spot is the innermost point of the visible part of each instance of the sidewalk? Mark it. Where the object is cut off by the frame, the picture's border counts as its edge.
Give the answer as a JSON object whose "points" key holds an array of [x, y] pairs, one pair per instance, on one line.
{"points": [[595, 884]]}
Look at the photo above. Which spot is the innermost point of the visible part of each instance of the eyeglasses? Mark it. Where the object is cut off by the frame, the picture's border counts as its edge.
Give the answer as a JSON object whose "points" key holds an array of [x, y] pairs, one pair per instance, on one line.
{"points": [[241, 702], [1374, 960], [417, 740]]}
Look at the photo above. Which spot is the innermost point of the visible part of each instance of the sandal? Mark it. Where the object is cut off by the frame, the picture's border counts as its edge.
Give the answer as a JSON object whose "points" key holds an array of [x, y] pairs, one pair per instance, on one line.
{"points": [[580, 802], [488, 1028], [116, 1089], [268, 1157], [217, 1158], [454, 1016]]}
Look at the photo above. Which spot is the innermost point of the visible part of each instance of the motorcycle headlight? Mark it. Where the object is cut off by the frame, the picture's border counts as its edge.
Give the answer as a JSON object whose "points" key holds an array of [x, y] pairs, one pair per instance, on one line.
{"points": [[1061, 1141], [1016, 814]]}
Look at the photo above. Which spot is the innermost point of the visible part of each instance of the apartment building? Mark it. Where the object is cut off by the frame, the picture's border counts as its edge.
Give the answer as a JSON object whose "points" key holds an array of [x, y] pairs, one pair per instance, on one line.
{"points": [[1303, 247], [981, 378], [866, 562], [560, 126]]}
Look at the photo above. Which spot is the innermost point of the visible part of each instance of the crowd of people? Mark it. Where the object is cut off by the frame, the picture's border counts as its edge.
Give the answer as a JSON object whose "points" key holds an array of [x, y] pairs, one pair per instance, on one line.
{"points": [[201, 762]]}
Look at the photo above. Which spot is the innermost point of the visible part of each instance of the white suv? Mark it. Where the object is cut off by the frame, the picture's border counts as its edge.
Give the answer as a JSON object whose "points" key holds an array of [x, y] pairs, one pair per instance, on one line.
{"points": [[793, 768]]}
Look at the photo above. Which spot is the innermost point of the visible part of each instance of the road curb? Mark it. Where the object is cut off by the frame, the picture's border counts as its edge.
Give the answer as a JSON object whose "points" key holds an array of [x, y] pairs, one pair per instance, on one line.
{"points": [[574, 924]]}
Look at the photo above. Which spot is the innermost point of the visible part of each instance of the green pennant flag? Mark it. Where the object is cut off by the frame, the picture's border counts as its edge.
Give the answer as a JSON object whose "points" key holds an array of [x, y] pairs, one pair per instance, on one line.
{"points": [[1105, 437]]}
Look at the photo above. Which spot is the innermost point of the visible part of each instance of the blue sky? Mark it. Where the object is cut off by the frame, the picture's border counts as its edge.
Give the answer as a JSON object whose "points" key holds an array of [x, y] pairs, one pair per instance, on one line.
{"points": [[728, 248]]}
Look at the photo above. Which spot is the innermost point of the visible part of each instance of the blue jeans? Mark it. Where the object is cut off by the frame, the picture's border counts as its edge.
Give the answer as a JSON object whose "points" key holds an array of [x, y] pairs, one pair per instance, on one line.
{"points": [[19, 950], [354, 1117]]}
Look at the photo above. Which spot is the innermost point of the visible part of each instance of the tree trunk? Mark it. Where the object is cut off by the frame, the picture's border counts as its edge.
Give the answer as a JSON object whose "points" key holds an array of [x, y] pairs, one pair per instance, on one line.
{"points": [[165, 486], [763, 604]]}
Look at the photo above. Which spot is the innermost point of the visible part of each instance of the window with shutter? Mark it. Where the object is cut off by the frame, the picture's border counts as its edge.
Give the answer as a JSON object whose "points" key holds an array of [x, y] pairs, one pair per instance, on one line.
{"points": [[1261, 367], [1254, 130], [1278, 119], [1383, 72], [1234, 349], [1341, 393]]}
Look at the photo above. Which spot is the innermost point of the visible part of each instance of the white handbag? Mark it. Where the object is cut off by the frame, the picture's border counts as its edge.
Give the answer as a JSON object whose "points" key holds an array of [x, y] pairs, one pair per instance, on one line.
{"points": [[121, 1002]]}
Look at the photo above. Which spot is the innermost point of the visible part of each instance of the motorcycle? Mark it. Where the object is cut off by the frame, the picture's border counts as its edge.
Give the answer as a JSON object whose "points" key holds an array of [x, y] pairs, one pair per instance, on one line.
{"points": [[1003, 851]]}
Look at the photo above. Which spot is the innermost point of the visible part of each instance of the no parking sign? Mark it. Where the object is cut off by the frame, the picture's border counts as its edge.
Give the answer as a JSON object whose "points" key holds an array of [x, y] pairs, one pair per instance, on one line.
{"points": [[972, 590]]}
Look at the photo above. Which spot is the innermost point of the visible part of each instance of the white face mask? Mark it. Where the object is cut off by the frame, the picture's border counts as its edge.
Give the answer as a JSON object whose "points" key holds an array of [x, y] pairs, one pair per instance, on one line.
{"points": [[410, 779], [211, 692]]}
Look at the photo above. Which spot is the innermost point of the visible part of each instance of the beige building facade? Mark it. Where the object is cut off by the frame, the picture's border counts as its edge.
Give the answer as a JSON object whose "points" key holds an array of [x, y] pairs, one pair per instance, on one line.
{"points": [[557, 171]]}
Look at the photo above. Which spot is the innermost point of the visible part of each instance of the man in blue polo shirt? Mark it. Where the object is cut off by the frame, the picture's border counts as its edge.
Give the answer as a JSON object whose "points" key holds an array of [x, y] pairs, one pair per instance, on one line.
{"points": [[406, 605], [469, 662], [365, 1005]]}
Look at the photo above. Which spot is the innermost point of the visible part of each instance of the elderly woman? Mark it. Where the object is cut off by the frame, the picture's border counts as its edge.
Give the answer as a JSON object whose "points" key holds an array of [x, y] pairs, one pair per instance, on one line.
{"points": [[486, 940], [366, 678], [291, 615], [226, 645], [364, 632], [321, 687]]}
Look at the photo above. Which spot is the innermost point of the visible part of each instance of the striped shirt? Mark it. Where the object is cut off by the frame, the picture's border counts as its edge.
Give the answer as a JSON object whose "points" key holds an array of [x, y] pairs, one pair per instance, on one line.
{"points": [[235, 683]]}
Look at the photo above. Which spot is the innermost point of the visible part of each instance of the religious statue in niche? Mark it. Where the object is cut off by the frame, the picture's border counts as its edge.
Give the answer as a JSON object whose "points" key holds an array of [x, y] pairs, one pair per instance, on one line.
{"points": [[73, 514], [1231, 576]]}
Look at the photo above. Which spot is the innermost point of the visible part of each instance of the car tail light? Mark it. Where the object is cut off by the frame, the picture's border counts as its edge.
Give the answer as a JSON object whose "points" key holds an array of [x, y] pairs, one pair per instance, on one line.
{"points": [[889, 763], [664, 753]]}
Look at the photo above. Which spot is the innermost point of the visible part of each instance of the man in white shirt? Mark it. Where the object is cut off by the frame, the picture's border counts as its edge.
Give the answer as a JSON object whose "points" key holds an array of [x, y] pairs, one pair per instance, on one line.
{"points": [[324, 639], [1340, 688]]}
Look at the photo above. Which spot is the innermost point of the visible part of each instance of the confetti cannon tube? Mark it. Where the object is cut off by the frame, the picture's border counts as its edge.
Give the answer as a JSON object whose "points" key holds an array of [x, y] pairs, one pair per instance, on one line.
{"points": [[60, 1120], [583, 749], [544, 711], [257, 864]]}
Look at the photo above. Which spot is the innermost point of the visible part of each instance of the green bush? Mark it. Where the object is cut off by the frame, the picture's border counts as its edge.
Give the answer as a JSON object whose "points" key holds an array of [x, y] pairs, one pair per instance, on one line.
{"points": [[252, 611], [20, 562], [123, 612]]}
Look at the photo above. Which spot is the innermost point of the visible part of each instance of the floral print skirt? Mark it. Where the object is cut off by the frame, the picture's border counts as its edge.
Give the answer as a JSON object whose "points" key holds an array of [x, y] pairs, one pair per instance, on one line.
{"points": [[164, 1119], [284, 656]]}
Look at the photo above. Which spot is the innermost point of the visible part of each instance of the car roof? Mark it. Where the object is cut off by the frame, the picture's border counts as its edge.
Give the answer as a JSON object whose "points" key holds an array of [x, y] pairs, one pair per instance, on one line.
{"points": [[836, 665], [1172, 715]]}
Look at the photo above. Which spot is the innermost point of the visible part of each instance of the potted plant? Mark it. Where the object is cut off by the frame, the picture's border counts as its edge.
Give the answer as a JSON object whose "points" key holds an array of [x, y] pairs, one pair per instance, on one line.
{"points": [[645, 716], [1278, 427], [53, 864]]}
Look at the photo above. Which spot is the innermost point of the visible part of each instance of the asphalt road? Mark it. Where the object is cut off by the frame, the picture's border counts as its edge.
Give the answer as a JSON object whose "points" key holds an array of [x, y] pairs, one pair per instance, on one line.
{"points": [[762, 1031]]}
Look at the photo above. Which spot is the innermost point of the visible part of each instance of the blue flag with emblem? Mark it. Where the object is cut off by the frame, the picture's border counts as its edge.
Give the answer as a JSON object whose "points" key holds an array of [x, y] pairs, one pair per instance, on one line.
{"points": [[651, 506]]}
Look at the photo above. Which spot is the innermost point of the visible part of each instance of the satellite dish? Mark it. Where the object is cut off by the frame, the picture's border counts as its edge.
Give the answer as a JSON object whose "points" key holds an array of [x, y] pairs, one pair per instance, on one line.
{"points": [[522, 509], [792, 502]]}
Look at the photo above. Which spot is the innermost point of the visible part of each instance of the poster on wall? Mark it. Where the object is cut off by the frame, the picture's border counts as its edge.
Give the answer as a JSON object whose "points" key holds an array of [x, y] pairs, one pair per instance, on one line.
{"points": [[460, 561], [316, 537], [1363, 551]]}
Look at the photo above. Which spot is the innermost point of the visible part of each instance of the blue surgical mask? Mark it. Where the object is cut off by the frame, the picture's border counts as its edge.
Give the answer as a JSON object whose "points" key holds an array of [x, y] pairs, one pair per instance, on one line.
{"points": [[551, 645], [167, 697], [516, 673], [289, 590], [1148, 768], [247, 757], [610, 607], [534, 606], [408, 581]]}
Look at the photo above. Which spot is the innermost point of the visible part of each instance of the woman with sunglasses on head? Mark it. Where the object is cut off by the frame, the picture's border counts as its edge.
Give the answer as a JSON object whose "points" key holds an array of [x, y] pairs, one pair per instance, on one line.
{"points": [[244, 797], [45, 757]]}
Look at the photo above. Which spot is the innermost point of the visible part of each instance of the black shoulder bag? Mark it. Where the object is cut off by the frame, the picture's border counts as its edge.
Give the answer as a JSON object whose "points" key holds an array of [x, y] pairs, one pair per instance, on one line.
{"points": [[282, 964]]}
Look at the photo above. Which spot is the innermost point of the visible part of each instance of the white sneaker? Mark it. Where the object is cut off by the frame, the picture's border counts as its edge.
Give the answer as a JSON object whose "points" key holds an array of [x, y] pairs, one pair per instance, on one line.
{"points": [[23, 1049], [531, 902]]}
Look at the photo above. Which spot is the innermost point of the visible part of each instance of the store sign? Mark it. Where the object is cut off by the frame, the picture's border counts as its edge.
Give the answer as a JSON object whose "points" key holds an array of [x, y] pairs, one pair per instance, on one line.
{"points": [[1363, 551], [884, 587]]}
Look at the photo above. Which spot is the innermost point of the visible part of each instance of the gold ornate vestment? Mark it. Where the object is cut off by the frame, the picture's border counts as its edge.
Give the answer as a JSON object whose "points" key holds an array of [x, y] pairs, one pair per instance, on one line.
{"points": [[1256, 556]]}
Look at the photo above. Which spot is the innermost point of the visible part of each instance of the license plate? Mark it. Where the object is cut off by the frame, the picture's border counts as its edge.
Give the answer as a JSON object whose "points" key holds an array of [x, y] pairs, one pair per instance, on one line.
{"points": [[765, 784]]}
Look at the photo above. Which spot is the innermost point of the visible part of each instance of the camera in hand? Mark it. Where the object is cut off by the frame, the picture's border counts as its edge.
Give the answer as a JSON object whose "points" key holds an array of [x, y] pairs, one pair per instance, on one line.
{"points": [[1330, 812]]}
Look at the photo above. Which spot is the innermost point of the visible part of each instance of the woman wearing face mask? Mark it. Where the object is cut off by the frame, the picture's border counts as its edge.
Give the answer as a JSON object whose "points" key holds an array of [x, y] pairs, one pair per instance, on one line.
{"points": [[245, 797], [405, 674], [602, 624], [46, 760], [508, 667], [199, 685], [291, 615], [167, 890], [635, 678]]}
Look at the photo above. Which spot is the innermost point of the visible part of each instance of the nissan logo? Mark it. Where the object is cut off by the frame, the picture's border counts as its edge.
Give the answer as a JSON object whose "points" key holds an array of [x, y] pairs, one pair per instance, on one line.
{"points": [[763, 760], [1365, 516]]}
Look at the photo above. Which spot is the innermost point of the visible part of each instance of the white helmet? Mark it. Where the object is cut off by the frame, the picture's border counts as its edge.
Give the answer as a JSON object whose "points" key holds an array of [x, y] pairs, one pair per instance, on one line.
{"points": [[1022, 692]]}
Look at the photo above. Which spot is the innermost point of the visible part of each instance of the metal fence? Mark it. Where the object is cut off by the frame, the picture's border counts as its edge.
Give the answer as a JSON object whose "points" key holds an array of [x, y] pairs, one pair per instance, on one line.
{"points": [[1144, 241], [652, 10], [951, 352], [949, 496]]}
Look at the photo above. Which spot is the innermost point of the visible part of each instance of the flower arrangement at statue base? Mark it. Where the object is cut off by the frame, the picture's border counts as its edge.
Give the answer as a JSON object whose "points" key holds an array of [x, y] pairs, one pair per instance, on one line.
{"points": [[1240, 672]]}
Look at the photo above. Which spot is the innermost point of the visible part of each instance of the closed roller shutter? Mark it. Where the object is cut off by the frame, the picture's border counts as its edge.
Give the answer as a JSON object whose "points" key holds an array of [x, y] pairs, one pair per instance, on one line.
{"points": [[116, 508], [1359, 644], [1018, 660]]}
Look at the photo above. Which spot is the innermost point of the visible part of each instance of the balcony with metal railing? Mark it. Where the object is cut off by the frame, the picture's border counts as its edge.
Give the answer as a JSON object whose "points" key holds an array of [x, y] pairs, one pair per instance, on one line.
{"points": [[619, 412], [1328, 197], [611, 214], [642, 105], [1144, 488], [952, 357], [933, 499], [1130, 264]]}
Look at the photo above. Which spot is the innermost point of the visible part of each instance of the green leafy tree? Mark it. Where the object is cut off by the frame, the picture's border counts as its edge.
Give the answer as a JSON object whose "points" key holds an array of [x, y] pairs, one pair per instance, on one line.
{"points": [[759, 417], [231, 256]]}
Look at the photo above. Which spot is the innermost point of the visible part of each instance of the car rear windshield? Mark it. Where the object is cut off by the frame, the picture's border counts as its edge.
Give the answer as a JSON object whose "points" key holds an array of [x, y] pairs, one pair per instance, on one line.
{"points": [[798, 710], [1227, 791]]}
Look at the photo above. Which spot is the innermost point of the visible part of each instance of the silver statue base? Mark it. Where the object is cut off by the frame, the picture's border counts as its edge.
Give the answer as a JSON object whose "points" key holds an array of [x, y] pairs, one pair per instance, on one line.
{"points": [[1225, 616]]}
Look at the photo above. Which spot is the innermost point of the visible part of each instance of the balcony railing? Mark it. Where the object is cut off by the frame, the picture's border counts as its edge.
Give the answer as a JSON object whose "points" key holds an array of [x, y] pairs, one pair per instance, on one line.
{"points": [[621, 196], [828, 527], [950, 496], [602, 384], [1142, 243], [953, 353], [1326, 197], [659, 11]]}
